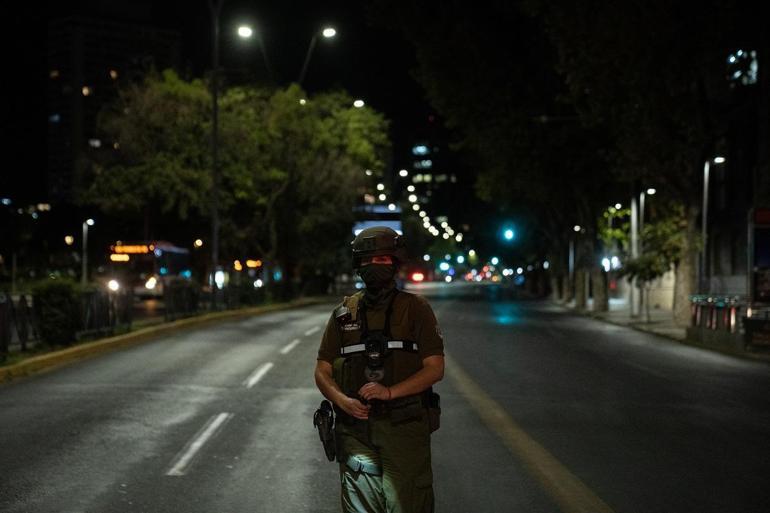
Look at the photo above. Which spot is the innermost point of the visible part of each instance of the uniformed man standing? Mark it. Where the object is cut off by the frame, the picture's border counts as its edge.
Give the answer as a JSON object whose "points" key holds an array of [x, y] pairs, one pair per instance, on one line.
{"points": [[380, 354]]}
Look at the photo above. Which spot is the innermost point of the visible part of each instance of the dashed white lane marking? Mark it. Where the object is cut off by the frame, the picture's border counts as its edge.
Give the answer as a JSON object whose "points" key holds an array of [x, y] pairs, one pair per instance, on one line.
{"points": [[291, 345], [311, 331], [185, 457], [258, 374]]}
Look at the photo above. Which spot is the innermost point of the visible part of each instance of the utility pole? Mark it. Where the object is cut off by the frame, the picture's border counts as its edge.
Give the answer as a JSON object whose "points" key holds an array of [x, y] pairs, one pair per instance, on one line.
{"points": [[216, 7]]}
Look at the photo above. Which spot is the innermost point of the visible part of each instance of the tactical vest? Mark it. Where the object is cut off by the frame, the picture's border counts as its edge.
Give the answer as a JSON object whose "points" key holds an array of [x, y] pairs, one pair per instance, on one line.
{"points": [[371, 358]]}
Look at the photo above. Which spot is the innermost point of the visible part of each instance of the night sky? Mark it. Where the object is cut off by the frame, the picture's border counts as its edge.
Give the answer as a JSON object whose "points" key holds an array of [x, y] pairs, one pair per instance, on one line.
{"points": [[370, 61]]}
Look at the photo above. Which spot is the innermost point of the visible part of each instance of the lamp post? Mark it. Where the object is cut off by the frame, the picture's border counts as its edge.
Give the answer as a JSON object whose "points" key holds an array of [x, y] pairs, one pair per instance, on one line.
{"points": [[633, 298], [84, 259], [215, 6], [245, 32], [642, 197], [705, 284], [327, 33]]}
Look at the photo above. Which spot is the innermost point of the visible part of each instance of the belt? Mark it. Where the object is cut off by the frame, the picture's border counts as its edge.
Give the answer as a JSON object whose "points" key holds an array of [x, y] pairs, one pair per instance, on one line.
{"points": [[406, 345]]}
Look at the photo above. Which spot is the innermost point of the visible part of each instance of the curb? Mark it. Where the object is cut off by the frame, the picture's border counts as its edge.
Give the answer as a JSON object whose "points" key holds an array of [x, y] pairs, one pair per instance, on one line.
{"points": [[683, 341], [54, 359]]}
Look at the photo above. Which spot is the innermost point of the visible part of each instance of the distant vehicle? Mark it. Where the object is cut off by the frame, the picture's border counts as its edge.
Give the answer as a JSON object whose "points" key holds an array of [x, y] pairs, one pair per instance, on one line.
{"points": [[147, 266]]}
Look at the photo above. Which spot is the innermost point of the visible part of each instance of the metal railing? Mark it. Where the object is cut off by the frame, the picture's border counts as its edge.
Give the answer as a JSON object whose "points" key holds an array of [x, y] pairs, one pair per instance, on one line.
{"points": [[17, 324], [718, 313]]}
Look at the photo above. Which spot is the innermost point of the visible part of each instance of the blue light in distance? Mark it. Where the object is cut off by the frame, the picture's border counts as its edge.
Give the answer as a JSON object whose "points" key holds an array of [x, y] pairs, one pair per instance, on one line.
{"points": [[495, 261], [186, 273], [277, 275], [163, 271], [460, 259], [508, 234], [444, 266]]}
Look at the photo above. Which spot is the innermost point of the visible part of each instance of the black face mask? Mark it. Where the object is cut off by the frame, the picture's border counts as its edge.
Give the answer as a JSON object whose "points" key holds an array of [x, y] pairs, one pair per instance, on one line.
{"points": [[377, 276]]}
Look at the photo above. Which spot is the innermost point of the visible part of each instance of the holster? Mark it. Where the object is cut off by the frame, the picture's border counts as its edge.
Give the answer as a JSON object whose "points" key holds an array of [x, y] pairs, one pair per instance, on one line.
{"points": [[323, 420]]}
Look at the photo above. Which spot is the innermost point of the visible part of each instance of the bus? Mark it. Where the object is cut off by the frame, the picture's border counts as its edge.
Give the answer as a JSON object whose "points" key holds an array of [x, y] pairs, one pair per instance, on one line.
{"points": [[147, 266]]}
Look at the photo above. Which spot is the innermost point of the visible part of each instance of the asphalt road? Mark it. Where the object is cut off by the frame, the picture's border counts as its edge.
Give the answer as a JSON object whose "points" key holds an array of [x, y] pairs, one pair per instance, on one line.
{"points": [[543, 411]]}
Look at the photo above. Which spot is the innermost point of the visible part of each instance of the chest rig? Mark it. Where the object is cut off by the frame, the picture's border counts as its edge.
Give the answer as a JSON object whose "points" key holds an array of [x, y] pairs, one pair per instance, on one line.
{"points": [[366, 360]]}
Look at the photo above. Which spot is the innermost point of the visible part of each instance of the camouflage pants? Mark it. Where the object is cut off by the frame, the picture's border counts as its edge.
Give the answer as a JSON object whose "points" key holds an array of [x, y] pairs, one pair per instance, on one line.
{"points": [[385, 467]]}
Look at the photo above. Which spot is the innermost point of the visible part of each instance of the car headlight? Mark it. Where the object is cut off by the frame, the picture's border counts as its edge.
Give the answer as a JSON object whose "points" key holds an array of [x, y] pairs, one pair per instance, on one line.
{"points": [[113, 285], [150, 283]]}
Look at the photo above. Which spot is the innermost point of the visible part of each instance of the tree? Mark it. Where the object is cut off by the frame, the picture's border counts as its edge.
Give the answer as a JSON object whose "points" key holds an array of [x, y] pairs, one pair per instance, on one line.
{"points": [[155, 159], [491, 73], [653, 75], [292, 167]]}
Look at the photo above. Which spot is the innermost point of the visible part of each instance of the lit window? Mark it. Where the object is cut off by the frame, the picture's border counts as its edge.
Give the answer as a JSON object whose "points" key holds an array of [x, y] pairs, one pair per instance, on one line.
{"points": [[427, 178], [420, 149], [116, 145], [417, 178], [114, 74], [743, 67], [441, 178], [95, 143], [54, 118], [423, 164], [54, 73], [86, 91]]}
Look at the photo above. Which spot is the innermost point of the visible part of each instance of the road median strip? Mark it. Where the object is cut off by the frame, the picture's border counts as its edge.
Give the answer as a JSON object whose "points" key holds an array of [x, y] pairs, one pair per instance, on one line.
{"points": [[53, 359]]}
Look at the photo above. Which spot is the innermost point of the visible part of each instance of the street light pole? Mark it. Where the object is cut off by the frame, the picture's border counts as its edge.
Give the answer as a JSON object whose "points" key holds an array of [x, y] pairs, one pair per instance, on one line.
{"points": [[632, 296], [216, 7], [307, 58], [84, 259], [328, 33], [704, 226]]}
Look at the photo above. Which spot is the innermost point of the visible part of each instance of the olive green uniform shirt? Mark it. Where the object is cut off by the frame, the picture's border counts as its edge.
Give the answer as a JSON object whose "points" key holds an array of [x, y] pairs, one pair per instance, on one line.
{"points": [[412, 319]]}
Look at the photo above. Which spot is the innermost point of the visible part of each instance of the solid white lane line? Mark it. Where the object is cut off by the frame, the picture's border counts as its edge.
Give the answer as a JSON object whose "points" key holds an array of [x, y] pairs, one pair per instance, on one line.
{"points": [[291, 345], [311, 331], [258, 374], [184, 458]]}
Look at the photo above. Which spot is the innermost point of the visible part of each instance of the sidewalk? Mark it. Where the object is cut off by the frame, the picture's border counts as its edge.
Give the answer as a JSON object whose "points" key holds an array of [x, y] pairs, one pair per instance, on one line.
{"points": [[661, 324], [661, 321]]}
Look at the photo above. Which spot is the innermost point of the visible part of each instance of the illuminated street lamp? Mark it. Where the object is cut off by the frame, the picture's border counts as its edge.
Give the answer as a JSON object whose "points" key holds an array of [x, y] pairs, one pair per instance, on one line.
{"points": [[327, 33], [704, 221], [358, 104], [84, 259]]}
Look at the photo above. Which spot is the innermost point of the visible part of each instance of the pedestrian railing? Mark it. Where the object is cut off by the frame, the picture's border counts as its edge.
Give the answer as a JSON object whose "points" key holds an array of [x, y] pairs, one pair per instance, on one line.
{"points": [[104, 312], [17, 326]]}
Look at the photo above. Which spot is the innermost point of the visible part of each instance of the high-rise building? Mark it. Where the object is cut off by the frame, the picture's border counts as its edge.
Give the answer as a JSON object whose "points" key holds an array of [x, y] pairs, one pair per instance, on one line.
{"points": [[88, 60]]}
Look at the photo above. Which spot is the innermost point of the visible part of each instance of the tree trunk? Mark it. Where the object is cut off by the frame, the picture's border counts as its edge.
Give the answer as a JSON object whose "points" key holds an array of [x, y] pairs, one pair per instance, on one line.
{"points": [[581, 292], [556, 289], [567, 288], [601, 296], [685, 270]]}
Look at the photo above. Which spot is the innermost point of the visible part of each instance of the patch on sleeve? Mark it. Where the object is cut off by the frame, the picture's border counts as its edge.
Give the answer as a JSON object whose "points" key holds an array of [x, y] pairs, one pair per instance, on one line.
{"points": [[350, 326]]}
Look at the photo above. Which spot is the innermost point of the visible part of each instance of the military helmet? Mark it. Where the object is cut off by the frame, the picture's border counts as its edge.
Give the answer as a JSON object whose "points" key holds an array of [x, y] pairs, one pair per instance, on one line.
{"points": [[378, 241]]}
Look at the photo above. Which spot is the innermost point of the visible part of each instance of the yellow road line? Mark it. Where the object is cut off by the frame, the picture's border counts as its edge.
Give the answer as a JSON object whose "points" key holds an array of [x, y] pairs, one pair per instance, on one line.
{"points": [[569, 492]]}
